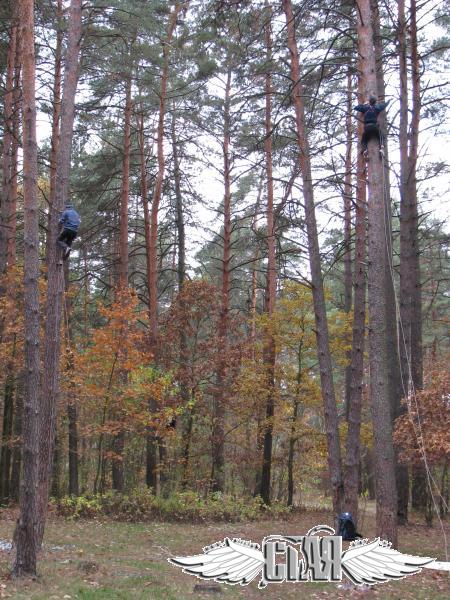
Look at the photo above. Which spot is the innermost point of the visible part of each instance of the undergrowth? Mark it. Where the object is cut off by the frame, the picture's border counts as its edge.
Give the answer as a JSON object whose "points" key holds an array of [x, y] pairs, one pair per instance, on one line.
{"points": [[143, 505]]}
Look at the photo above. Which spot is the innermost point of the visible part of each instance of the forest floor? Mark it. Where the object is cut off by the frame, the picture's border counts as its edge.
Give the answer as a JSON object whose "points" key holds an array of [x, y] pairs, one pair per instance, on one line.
{"points": [[108, 560]]}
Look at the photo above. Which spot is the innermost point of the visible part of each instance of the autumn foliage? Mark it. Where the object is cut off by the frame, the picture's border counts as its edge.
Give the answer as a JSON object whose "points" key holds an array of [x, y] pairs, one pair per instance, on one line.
{"points": [[425, 427]]}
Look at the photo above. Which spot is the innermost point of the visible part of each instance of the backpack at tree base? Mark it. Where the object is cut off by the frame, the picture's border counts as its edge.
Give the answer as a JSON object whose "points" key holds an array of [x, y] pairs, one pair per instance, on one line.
{"points": [[347, 528]]}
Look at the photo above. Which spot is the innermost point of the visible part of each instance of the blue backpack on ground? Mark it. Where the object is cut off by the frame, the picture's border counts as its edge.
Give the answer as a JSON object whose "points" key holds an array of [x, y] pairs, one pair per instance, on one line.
{"points": [[347, 528]]}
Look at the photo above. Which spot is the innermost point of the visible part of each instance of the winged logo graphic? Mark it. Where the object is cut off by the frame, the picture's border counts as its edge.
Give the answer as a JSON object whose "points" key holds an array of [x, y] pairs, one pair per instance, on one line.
{"points": [[236, 561], [231, 561]]}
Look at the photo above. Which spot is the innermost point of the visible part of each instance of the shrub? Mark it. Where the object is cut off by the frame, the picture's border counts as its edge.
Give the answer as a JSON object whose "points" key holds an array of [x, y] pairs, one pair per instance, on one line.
{"points": [[143, 505]]}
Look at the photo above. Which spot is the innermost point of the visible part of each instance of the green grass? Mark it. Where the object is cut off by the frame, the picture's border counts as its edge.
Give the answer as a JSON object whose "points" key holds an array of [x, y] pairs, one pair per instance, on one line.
{"points": [[130, 561]]}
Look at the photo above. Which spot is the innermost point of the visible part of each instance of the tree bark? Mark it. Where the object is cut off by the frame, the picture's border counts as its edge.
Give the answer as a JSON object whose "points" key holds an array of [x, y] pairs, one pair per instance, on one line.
{"points": [[157, 192], [56, 103], [353, 443], [25, 536], [218, 420], [118, 440], [293, 437], [8, 125], [17, 433], [394, 374], [12, 214], [125, 191], [410, 286], [181, 236], [386, 492], [55, 276], [152, 243], [269, 354], [323, 347], [71, 400], [347, 196], [5, 457]]}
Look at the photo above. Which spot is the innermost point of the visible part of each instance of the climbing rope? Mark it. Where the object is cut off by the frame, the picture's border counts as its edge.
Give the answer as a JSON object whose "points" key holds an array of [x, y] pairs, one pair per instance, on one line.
{"points": [[409, 391]]}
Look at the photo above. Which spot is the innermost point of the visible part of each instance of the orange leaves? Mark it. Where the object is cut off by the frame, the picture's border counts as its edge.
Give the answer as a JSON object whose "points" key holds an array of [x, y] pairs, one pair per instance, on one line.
{"points": [[113, 375], [426, 424]]}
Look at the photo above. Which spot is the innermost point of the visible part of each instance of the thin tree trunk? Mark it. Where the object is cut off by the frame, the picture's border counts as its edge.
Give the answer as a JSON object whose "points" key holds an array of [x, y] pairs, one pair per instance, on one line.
{"points": [[353, 443], [55, 276], [5, 459], [151, 441], [348, 225], [293, 437], [17, 433], [8, 108], [152, 242], [118, 440], [71, 400], [410, 286], [269, 355], [218, 422], [25, 536], [56, 102], [157, 192], [12, 216], [181, 276], [56, 471], [386, 492], [125, 191], [181, 237], [323, 346], [405, 277]]}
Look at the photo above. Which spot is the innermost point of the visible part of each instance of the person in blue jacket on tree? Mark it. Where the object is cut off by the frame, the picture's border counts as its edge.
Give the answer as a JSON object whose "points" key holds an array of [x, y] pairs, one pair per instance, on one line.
{"points": [[70, 220], [371, 127]]}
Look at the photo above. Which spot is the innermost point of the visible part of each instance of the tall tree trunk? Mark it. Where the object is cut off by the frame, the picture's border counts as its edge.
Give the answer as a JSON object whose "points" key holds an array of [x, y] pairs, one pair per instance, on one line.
{"points": [[348, 225], [410, 287], [181, 236], [12, 215], [71, 399], [181, 276], [5, 458], [118, 441], [218, 423], [386, 492], [125, 191], [269, 355], [26, 536], [152, 243], [393, 373], [8, 126], [14, 487], [56, 102], [353, 445], [323, 346], [151, 441], [55, 275], [157, 192], [293, 437], [405, 278], [7, 429]]}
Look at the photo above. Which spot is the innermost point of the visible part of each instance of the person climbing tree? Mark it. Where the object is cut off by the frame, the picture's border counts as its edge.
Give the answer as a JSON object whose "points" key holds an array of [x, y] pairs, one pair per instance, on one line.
{"points": [[371, 110], [70, 220]]}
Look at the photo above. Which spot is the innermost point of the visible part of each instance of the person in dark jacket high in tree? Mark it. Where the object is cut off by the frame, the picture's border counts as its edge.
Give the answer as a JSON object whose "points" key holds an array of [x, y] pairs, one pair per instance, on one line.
{"points": [[70, 220], [371, 127]]}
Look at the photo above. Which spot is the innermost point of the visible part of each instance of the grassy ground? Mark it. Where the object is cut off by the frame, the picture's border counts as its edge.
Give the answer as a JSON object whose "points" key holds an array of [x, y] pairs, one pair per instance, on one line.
{"points": [[101, 560]]}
